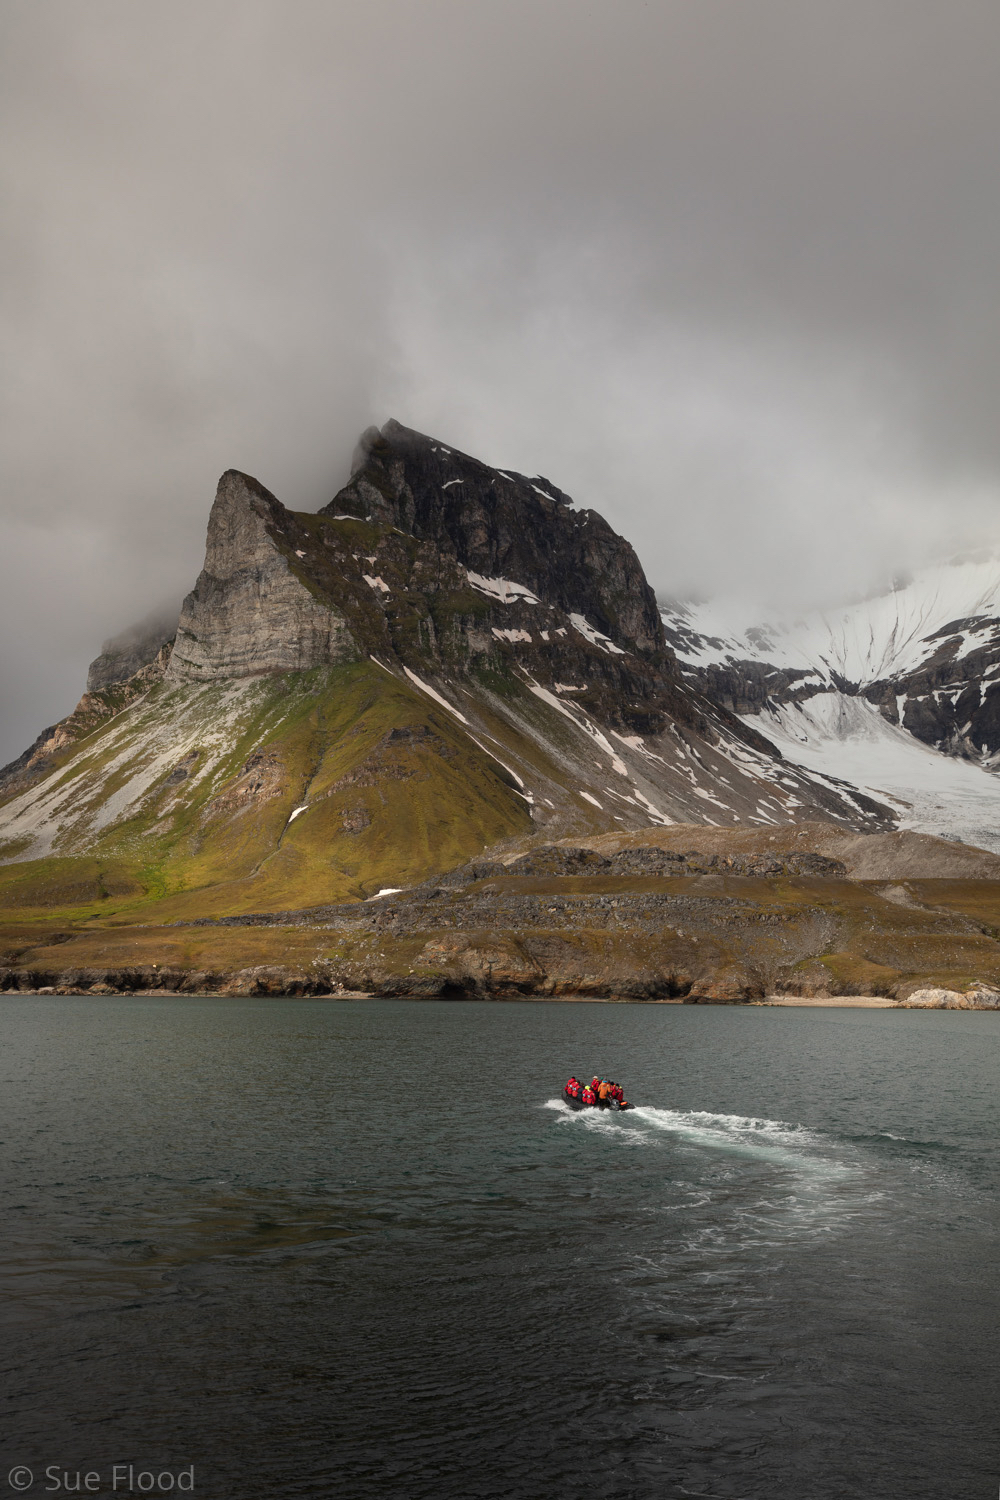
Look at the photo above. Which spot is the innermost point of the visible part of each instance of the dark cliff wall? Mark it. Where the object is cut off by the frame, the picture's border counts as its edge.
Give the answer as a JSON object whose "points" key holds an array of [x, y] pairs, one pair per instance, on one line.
{"points": [[503, 525]]}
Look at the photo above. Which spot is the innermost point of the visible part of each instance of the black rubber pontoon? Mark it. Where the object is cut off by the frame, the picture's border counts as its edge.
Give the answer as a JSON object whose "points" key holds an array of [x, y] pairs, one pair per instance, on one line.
{"points": [[601, 1103]]}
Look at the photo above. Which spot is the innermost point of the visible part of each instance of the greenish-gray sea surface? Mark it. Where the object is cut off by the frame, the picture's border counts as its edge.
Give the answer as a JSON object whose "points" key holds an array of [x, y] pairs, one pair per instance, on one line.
{"points": [[362, 1249]]}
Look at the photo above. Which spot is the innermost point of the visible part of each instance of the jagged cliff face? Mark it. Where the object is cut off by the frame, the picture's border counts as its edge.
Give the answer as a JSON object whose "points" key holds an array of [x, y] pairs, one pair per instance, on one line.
{"points": [[498, 524], [476, 568], [951, 699], [433, 560], [498, 569], [444, 658], [248, 613]]}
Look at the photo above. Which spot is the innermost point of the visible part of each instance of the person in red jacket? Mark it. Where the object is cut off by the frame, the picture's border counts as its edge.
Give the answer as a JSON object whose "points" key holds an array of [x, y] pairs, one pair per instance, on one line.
{"points": [[588, 1096], [573, 1087]]}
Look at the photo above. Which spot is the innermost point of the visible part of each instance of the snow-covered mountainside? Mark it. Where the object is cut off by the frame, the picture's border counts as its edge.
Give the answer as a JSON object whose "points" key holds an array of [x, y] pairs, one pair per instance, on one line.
{"points": [[891, 635], [838, 735], [898, 693]]}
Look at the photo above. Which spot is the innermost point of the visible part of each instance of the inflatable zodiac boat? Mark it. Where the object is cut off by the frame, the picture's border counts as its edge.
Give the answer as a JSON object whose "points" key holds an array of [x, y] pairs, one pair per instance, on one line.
{"points": [[601, 1103]]}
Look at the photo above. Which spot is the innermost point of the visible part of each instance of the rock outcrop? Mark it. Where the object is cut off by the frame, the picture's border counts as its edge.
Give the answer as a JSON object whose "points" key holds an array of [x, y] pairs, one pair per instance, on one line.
{"points": [[431, 561], [979, 997], [502, 525], [933, 675], [249, 613], [477, 569], [127, 654], [876, 856], [952, 699], [561, 859], [447, 658], [94, 708]]}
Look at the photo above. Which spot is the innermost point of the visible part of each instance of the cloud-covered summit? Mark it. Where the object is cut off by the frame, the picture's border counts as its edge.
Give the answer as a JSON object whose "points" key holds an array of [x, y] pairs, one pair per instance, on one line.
{"points": [[726, 272]]}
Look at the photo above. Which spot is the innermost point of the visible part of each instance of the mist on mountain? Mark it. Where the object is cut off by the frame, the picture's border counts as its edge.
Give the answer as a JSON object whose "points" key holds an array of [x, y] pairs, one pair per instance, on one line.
{"points": [[727, 273]]}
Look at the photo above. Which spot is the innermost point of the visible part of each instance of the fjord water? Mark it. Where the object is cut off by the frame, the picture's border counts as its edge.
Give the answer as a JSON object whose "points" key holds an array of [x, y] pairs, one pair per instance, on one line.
{"points": [[318, 1248]]}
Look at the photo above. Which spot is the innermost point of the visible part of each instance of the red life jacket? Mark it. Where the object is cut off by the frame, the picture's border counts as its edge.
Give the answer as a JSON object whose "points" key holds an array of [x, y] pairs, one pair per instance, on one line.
{"points": [[589, 1097], [616, 1092], [573, 1088]]}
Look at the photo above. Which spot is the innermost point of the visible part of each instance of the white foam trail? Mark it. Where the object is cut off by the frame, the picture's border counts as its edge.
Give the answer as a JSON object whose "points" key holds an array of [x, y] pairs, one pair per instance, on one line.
{"points": [[702, 1121], [771, 1140], [607, 1122], [817, 1191], [774, 1141]]}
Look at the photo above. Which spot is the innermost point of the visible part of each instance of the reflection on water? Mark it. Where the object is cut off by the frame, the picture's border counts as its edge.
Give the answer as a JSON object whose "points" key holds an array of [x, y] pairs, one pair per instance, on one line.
{"points": [[367, 1248]]}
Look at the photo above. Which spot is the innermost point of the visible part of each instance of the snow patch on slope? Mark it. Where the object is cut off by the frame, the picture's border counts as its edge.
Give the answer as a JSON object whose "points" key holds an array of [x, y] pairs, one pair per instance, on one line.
{"points": [[847, 739], [502, 589], [425, 687], [594, 636]]}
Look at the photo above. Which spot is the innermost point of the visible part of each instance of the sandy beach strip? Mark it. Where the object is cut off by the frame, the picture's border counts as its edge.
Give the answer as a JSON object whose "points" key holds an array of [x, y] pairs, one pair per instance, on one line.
{"points": [[857, 1002]]}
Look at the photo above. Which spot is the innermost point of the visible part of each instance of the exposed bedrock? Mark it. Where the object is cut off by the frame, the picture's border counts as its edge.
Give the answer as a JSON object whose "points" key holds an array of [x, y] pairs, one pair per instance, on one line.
{"points": [[949, 699], [747, 687], [248, 613], [96, 706], [501, 524], [950, 703], [126, 654]]}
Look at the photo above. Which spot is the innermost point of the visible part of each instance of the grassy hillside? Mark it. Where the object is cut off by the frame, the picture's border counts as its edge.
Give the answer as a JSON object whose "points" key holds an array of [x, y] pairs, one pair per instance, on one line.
{"points": [[200, 803], [187, 802], [724, 938]]}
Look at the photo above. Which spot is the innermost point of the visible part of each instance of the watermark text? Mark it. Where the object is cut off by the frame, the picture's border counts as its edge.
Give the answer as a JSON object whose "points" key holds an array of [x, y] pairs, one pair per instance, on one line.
{"points": [[120, 1479]]}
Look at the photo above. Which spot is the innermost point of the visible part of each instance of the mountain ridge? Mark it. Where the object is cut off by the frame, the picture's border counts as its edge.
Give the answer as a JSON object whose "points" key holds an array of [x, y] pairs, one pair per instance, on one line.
{"points": [[898, 693], [505, 628], [436, 739], [918, 651]]}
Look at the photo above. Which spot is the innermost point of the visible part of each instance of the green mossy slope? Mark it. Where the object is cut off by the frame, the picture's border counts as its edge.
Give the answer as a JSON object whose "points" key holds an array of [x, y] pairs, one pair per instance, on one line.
{"points": [[719, 938], [388, 790]]}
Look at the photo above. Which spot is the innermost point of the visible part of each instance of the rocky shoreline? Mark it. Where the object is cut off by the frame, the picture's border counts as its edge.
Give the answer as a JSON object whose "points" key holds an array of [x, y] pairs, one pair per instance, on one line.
{"points": [[639, 923], [275, 983]]}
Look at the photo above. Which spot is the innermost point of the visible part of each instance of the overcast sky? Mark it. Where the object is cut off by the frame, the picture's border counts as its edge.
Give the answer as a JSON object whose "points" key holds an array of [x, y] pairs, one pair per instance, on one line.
{"points": [[726, 270]]}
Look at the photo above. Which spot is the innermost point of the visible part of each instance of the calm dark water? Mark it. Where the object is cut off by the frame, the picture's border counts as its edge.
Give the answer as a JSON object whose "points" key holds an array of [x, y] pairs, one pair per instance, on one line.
{"points": [[317, 1249]]}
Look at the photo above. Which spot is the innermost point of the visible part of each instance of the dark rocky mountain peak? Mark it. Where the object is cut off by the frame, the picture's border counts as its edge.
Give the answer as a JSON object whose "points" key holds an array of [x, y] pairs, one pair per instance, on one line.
{"points": [[433, 560], [502, 525], [437, 597]]}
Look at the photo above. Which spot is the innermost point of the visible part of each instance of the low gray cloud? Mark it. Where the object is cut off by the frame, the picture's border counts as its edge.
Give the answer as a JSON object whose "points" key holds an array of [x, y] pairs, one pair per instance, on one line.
{"points": [[726, 272]]}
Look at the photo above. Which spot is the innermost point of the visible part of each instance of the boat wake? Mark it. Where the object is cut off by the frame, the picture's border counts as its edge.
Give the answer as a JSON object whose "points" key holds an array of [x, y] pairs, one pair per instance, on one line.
{"points": [[779, 1179], [741, 1135], [610, 1121], [776, 1143]]}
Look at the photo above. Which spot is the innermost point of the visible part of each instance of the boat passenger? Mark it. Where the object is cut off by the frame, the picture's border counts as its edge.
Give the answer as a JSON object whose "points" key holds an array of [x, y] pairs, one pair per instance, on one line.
{"points": [[573, 1087], [588, 1096], [604, 1091], [595, 1083]]}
